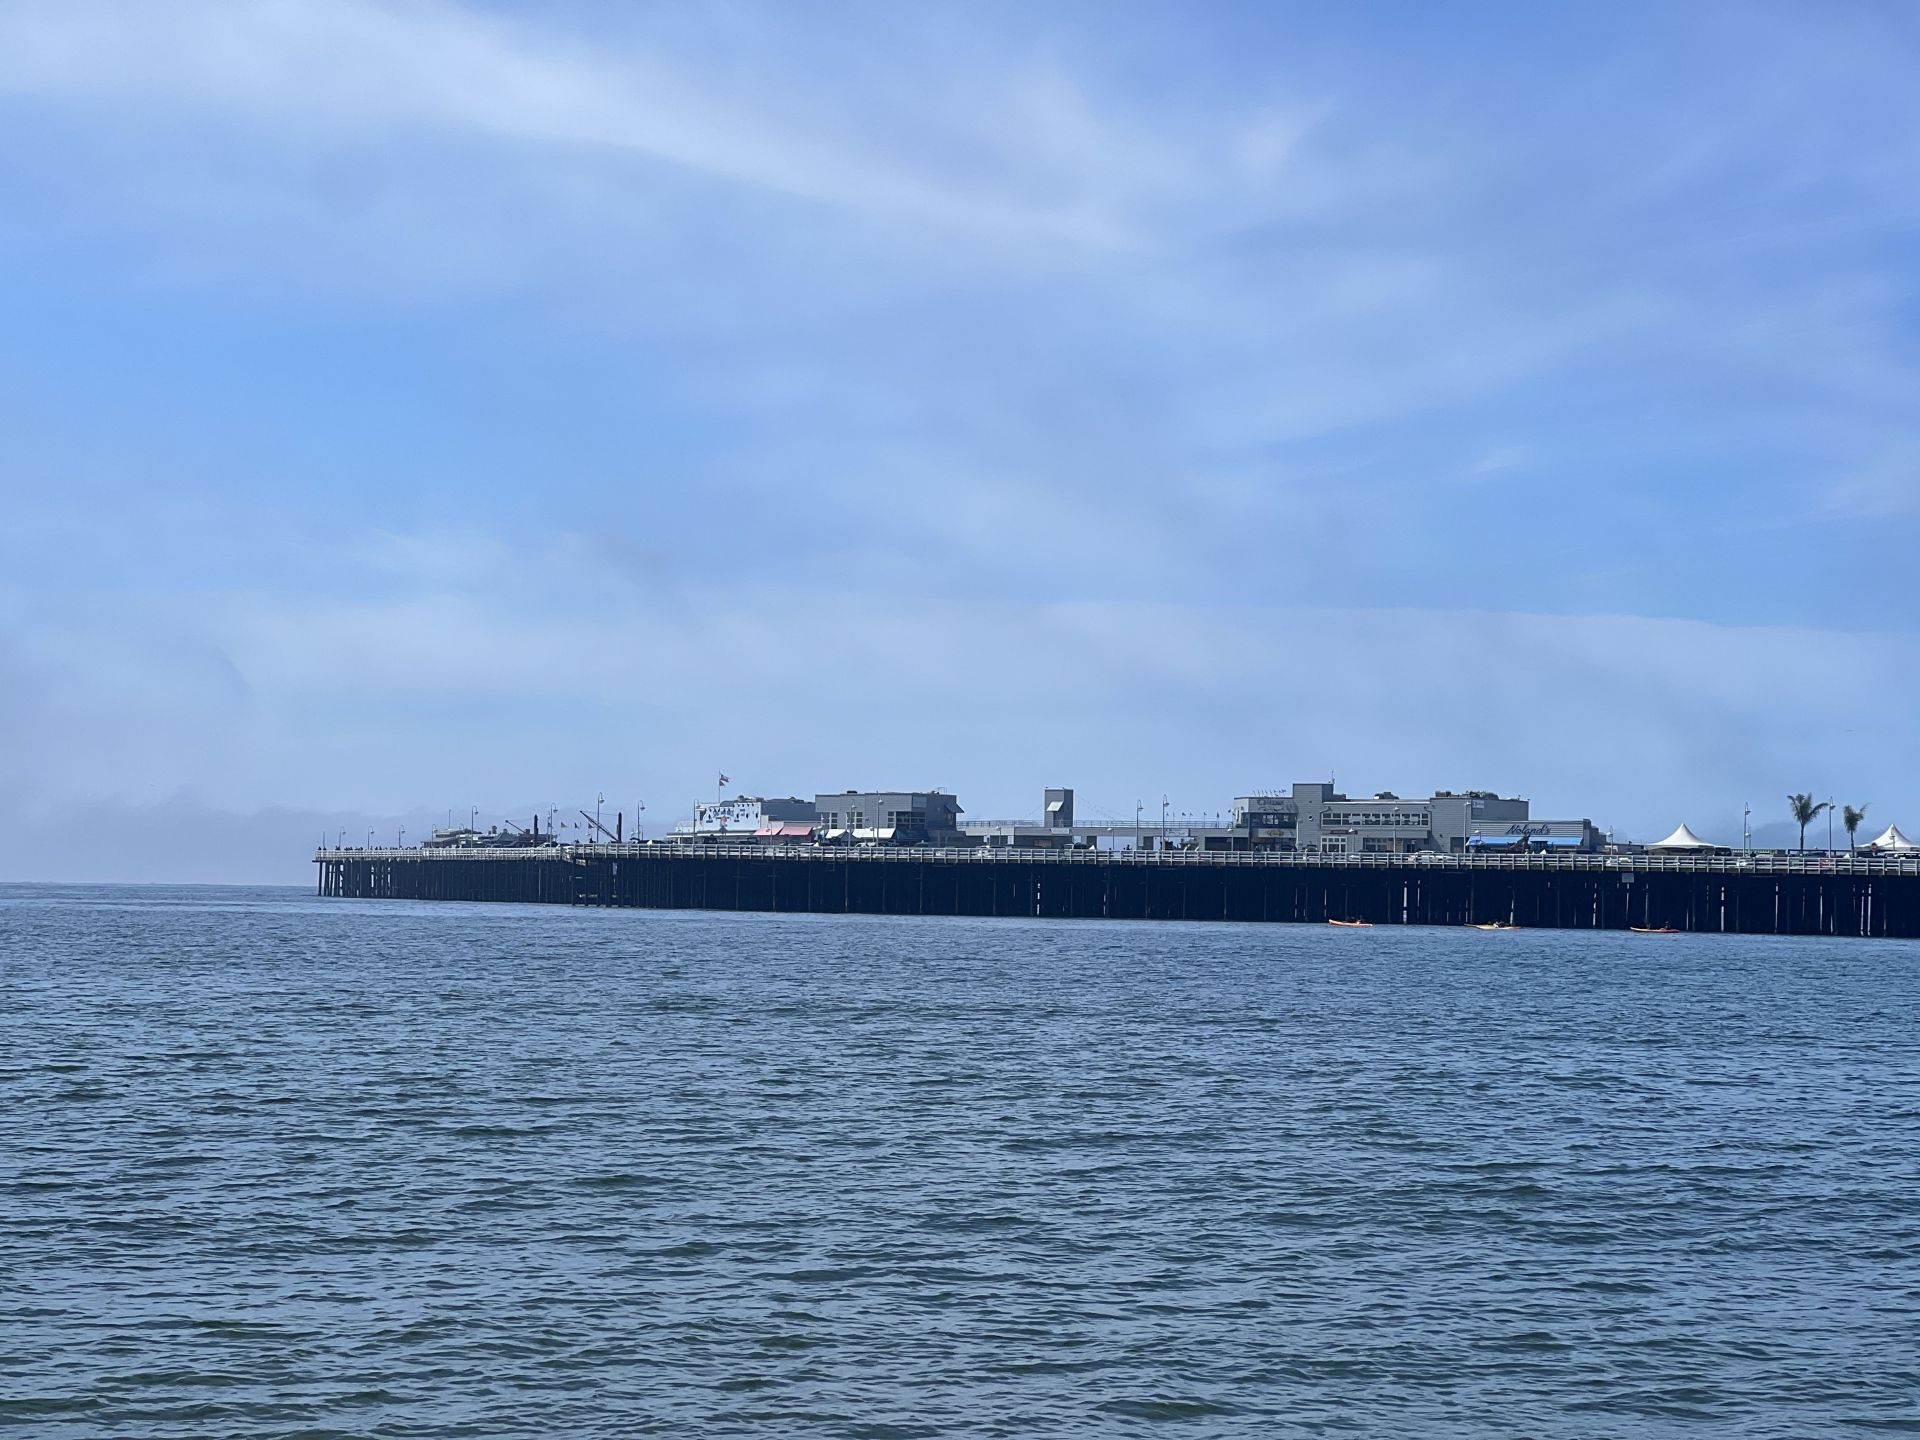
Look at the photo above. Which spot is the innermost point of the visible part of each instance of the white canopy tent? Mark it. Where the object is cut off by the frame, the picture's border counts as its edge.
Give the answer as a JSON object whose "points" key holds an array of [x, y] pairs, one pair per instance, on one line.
{"points": [[1892, 839], [1683, 839]]}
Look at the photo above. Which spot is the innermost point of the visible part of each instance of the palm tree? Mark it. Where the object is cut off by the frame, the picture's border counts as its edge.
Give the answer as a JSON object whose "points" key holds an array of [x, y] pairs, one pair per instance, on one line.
{"points": [[1806, 811], [1851, 818]]}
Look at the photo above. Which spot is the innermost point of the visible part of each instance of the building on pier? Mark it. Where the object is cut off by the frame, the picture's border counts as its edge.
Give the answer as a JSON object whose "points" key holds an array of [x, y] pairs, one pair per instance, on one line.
{"points": [[1054, 832], [750, 819], [1316, 819], [890, 817]]}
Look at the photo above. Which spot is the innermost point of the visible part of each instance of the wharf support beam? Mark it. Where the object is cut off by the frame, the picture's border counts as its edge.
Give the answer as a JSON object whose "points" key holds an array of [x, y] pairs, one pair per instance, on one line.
{"points": [[1784, 900]]}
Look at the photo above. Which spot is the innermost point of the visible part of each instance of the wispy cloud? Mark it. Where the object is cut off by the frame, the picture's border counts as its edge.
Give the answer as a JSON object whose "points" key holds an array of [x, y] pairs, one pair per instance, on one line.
{"points": [[1498, 460], [1029, 155], [1887, 486]]}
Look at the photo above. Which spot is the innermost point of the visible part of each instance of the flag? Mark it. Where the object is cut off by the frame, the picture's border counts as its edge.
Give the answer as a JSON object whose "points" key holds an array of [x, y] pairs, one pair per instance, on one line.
{"points": [[724, 780]]}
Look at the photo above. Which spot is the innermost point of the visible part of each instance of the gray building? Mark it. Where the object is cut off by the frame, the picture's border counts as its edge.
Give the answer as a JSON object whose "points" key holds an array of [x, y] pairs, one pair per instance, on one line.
{"points": [[890, 817], [1316, 819]]}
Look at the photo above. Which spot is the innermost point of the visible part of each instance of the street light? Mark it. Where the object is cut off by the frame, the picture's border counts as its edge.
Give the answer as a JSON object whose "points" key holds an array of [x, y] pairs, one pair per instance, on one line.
{"points": [[473, 818], [399, 838], [369, 837]]}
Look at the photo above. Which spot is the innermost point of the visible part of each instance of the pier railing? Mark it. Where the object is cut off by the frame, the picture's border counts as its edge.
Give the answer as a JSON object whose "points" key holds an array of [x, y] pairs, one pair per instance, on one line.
{"points": [[1739, 863]]}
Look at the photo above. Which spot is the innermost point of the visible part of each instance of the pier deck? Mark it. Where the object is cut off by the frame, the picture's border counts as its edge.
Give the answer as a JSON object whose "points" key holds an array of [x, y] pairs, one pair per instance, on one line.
{"points": [[1743, 894]]}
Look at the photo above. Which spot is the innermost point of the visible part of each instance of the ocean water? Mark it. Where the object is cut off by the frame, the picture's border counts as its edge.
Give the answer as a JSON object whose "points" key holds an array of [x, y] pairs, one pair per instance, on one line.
{"points": [[272, 1166]]}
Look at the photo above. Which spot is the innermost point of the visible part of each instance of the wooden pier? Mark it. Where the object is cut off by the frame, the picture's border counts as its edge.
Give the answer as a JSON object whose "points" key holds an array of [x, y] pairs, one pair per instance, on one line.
{"points": [[1741, 894]]}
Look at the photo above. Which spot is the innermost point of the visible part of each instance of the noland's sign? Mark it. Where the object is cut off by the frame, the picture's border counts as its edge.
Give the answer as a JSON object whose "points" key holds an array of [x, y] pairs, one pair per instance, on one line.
{"points": [[1541, 828]]}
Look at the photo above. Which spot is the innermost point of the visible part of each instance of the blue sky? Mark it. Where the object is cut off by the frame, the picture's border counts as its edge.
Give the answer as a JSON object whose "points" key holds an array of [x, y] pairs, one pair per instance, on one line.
{"points": [[420, 406]]}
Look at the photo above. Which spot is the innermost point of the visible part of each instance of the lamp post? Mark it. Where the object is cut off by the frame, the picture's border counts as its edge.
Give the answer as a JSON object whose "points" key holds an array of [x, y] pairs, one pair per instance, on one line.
{"points": [[1829, 824], [399, 838], [1138, 806], [473, 818], [369, 837]]}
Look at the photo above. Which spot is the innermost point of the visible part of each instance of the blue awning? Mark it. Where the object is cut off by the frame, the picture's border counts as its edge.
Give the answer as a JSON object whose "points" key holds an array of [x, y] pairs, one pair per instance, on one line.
{"points": [[1558, 841]]}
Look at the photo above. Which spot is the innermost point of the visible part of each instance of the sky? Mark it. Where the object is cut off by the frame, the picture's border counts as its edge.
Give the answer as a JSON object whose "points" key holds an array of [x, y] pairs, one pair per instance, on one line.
{"points": [[409, 408]]}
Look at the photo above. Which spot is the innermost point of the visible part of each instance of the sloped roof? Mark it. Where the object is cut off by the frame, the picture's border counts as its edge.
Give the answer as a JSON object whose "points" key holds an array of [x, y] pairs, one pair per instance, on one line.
{"points": [[1682, 839], [1892, 839]]}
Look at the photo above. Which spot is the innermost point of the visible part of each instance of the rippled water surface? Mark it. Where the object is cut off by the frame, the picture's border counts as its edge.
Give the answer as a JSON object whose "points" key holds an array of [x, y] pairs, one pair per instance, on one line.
{"points": [[276, 1166]]}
